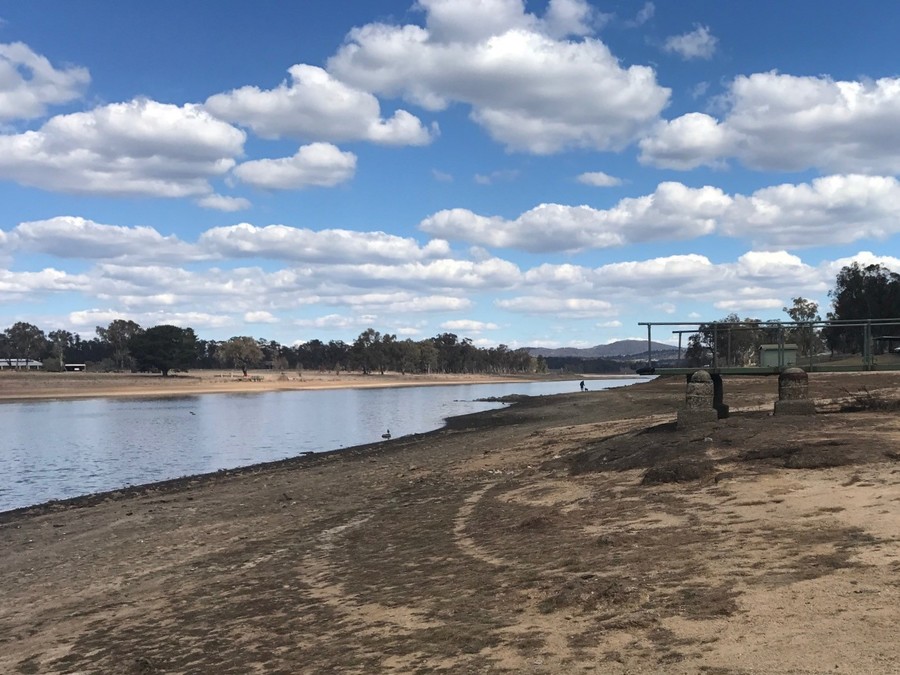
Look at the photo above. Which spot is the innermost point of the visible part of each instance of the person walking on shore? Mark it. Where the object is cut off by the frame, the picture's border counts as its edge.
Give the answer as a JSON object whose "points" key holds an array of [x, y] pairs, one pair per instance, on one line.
{"points": [[582, 385]]}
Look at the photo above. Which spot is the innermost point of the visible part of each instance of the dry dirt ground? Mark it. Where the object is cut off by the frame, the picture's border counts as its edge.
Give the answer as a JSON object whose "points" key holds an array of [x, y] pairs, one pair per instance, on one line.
{"points": [[576, 533]]}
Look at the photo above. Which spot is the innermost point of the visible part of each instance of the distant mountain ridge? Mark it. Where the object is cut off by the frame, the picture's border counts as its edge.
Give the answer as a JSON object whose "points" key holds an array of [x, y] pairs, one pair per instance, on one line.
{"points": [[618, 349]]}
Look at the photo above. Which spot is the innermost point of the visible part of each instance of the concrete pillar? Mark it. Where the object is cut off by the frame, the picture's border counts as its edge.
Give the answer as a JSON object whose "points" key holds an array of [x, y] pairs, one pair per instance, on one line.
{"points": [[698, 401], [793, 393]]}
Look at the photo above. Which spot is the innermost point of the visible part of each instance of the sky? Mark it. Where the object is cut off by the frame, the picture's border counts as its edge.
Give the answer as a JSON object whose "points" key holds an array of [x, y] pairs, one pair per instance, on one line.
{"points": [[542, 173]]}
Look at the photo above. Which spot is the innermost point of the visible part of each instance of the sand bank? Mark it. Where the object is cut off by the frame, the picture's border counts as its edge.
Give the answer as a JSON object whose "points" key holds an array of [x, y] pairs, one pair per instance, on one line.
{"points": [[35, 386]]}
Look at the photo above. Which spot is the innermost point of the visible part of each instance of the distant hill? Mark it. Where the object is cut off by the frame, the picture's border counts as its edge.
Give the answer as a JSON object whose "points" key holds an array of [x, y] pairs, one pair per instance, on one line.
{"points": [[620, 349]]}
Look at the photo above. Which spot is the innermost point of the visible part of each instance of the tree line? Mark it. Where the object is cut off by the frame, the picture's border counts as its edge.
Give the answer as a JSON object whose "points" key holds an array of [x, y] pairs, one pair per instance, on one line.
{"points": [[126, 346], [861, 293]]}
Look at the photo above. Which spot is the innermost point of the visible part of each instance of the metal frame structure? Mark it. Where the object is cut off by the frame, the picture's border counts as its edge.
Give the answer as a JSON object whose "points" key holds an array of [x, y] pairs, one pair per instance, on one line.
{"points": [[868, 361]]}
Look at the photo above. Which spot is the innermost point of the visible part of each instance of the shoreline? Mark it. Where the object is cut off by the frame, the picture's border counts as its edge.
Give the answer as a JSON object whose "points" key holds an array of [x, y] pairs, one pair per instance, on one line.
{"points": [[25, 387], [299, 461], [566, 533]]}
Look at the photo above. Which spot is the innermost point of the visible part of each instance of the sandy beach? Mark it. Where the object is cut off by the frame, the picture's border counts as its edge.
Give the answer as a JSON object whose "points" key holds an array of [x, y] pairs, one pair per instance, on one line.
{"points": [[20, 386], [574, 533]]}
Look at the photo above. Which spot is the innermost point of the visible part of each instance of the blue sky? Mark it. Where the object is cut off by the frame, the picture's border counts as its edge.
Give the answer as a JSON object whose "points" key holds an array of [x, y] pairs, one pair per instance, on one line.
{"points": [[543, 173]]}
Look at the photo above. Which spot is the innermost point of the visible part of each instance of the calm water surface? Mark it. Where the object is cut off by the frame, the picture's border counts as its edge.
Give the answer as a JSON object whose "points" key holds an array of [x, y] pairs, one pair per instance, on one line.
{"points": [[59, 449]]}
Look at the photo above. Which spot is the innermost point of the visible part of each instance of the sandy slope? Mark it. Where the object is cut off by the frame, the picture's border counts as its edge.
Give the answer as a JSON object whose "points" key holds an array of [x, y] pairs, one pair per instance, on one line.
{"points": [[532, 539]]}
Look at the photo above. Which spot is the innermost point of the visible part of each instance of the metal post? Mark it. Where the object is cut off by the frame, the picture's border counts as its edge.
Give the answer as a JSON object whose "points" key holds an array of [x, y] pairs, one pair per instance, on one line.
{"points": [[867, 345], [780, 347], [715, 345], [728, 361], [810, 341], [649, 349]]}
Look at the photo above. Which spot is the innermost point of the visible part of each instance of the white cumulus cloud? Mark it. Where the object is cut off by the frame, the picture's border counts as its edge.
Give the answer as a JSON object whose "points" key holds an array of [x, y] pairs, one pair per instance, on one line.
{"points": [[260, 316], [835, 209], [43, 281], [530, 89], [460, 275], [29, 82], [84, 321], [749, 304], [752, 282], [282, 242], [317, 164], [316, 106], [774, 121], [673, 211], [469, 325], [74, 237], [572, 308], [136, 148], [689, 141]]}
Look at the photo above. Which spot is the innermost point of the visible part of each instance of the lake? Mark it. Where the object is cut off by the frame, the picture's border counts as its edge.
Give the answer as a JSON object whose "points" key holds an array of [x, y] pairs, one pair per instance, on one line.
{"points": [[60, 449]]}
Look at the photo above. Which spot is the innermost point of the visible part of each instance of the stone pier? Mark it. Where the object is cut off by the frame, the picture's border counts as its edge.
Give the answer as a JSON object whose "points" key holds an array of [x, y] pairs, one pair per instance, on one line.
{"points": [[793, 393], [699, 401]]}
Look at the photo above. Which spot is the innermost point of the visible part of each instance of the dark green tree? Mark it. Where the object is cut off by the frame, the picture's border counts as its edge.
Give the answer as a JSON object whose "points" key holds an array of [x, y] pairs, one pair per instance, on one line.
{"points": [[312, 355], [88, 351], [207, 353], [806, 337], [367, 350], [26, 341], [164, 348], [337, 355], [118, 335], [61, 341], [860, 293], [696, 354], [388, 356]]}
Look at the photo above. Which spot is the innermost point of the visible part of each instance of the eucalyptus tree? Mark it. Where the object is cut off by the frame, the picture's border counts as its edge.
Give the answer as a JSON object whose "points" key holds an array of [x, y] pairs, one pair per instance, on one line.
{"points": [[25, 341], [732, 340], [366, 350], [240, 352], [860, 293], [806, 335], [61, 342], [117, 335]]}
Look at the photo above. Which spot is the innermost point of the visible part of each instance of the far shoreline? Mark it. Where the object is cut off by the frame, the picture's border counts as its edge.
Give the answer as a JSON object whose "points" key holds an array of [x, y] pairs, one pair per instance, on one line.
{"points": [[21, 387]]}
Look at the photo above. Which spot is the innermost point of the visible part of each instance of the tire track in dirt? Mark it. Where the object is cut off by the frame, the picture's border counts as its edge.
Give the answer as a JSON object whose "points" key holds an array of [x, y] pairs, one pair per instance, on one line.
{"points": [[318, 569], [466, 543]]}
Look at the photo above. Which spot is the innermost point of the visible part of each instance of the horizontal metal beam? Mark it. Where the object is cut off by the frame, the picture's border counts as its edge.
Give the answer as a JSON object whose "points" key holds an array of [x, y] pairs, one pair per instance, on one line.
{"points": [[774, 370], [773, 324]]}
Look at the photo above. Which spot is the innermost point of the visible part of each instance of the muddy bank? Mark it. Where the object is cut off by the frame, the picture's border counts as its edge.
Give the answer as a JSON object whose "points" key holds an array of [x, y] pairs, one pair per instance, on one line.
{"points": [[527, 539]]}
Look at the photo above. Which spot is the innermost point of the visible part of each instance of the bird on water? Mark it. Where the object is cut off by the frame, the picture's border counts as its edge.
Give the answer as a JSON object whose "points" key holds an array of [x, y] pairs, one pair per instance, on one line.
{"points": [[387, 434]]}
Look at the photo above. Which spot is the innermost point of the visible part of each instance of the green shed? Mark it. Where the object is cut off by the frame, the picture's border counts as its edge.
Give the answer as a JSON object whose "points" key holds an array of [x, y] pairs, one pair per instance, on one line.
{"points": [[769, 355]]}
